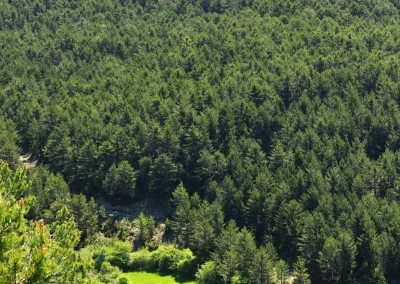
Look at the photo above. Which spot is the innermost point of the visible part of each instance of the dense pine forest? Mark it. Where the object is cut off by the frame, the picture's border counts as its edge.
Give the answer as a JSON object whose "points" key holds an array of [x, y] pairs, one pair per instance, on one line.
{"points": [[265, 134]]}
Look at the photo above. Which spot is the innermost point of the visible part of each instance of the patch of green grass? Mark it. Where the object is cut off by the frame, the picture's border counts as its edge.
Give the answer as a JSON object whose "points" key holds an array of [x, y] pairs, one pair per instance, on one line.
{"points": [[142, 277]]}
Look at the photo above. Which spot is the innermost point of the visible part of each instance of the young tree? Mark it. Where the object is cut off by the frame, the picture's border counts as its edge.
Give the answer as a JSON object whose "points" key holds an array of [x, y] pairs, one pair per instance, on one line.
{"points": [[183, 221], [329, 259], [226, 254], [8, 142], [300, 272], [204, 234], [144, 227], [246, 250], [312, 240], [347, 256], [378, 276], [282, 271], [262, 270], [85, 215]]}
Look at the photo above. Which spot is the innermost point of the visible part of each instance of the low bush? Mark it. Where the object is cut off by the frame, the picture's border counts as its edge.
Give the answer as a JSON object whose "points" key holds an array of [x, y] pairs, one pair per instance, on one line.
{"points": [[108, 273], [207, 274], [120, 254], [141, 260], [167, 258]]}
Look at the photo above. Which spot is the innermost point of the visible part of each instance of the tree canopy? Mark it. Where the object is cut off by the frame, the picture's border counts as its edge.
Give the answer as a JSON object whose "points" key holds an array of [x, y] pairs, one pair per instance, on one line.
{"points": [[269, 126]]}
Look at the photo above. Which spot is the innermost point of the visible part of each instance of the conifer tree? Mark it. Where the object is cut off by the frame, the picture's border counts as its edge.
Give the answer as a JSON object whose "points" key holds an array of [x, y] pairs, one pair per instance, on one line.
{"points": [[300, 272], [282, 271], [31, 251]]}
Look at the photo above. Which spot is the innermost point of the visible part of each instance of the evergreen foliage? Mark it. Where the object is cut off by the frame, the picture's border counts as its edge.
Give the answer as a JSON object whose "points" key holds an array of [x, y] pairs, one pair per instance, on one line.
{"points": [[273, 127], [31, 251]]}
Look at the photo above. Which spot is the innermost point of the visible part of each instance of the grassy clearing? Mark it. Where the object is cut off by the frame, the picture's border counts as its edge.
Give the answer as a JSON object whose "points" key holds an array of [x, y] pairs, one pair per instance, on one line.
{"points": [[142, 277]]}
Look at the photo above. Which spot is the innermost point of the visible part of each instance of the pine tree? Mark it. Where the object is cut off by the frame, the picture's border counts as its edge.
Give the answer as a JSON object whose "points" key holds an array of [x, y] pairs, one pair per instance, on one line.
{"points": [[282, 271], [378, 277], [262, 270], [30, 251], [183, 221], [300, 272], [226, 254], [329, 259]]}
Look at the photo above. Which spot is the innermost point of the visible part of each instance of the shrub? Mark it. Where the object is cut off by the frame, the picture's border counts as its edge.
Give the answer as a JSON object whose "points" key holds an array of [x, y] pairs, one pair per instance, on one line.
{"points": [[207, 274], [108, 273], [164, 258], [168, 258], [141, 260], [99, 257], [187, 263], [120, 254]]}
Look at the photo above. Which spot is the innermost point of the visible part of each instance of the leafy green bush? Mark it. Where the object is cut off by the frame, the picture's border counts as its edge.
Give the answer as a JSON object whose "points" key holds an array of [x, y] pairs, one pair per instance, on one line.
{"points": [[167, 258], [120, 254], [207, 274], [99, 256], [116, 253], [108, 272], [140, 260], [171, 259], [187, 264], [164, 258]]}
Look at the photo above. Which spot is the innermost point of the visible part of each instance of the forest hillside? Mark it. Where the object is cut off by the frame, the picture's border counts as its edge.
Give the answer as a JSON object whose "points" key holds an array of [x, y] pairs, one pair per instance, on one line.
{"points": [[265, 134]]}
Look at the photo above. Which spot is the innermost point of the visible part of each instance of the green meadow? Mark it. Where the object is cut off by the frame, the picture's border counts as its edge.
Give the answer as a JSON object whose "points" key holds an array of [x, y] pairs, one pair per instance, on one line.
{"points": [[142, 277]]}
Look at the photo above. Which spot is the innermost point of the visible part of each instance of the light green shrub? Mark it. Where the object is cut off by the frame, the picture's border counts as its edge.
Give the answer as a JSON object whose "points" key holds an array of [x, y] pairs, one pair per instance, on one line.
{"points": [[120, 254], [108, 272], [207, 274], [141, 259], [168, 258]]}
